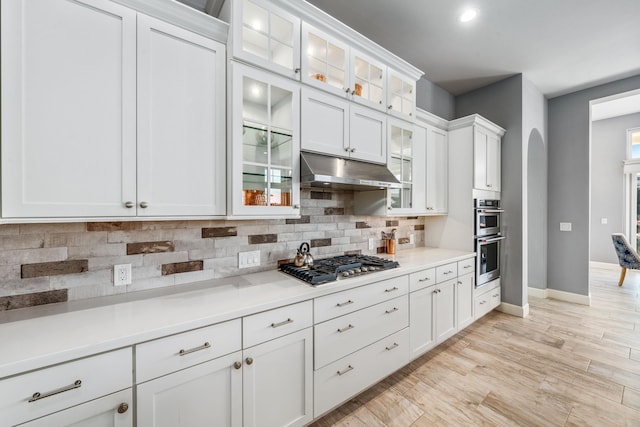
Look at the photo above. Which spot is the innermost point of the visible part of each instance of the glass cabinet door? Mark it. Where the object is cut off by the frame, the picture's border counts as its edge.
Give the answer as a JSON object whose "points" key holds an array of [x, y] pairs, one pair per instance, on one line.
{"points": [[368, 81], [401, 165], [267, 36], [325, 61], [402, 98], [265, 143]]}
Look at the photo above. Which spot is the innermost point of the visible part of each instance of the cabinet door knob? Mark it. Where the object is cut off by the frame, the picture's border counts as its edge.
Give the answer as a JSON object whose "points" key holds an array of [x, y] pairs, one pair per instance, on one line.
{"points": [[129, 205], [144, 205], [347, 149], [347, 90], [389, 107], [297, 70], [296, 206], [249, 360], [353, 150], [237, 365], [124, 407]]}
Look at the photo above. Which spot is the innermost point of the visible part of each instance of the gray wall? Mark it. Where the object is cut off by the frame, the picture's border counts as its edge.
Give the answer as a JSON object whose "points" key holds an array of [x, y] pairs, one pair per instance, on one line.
{"points": [[534, 138], [432, 98], [501, 103], [608, 149], [568, 185]]}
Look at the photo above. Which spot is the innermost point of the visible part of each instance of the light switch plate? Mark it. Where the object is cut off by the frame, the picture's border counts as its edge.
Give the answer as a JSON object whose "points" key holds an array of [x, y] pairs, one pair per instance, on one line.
{"points": [[604, 221], [565, 226]]}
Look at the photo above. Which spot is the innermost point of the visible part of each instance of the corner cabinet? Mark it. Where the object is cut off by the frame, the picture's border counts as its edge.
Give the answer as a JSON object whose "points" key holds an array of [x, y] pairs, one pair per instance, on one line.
{"points": [[264, 161], [107, 113], [401, 96]]}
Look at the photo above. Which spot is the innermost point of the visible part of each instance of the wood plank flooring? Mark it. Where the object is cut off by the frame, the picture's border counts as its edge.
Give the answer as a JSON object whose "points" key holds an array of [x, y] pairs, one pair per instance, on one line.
{"points": [[564, 365]]}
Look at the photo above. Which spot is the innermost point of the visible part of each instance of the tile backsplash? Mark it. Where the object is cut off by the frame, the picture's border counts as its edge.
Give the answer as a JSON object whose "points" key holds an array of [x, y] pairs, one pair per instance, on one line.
{"points": [[45, 263]]}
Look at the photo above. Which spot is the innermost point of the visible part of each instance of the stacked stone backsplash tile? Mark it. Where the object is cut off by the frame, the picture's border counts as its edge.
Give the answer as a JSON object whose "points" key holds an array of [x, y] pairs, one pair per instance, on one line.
{"points": [[46, 263]]}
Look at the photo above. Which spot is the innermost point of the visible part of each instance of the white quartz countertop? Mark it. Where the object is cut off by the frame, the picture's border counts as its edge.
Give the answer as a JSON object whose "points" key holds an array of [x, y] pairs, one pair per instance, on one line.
{"points": [[40, 336]]}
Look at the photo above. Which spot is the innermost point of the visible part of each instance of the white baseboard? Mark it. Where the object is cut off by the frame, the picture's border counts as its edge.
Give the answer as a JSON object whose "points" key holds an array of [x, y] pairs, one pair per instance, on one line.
{"points": [[603, 264], [569, 297], [560, 295], [537, 292], [514, 310]]}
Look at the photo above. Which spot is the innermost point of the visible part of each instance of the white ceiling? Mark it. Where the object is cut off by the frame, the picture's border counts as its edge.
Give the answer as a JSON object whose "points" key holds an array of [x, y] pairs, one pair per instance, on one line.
{"points": [[559, 45]]}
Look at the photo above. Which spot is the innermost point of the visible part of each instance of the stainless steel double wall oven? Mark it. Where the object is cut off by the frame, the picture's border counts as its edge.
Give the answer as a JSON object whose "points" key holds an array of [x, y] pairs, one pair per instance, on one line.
{"points": [[488, 216]]}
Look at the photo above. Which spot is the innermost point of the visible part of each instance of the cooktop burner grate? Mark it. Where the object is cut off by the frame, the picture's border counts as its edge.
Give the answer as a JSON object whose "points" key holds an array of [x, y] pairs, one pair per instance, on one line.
{"points": [[342, 266]]}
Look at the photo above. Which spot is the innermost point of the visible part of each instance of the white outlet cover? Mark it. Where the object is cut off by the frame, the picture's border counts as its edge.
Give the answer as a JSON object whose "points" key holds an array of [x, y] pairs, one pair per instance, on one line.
{"points": [[565, 226], [372, 243], [604, 221], [121, 274]]}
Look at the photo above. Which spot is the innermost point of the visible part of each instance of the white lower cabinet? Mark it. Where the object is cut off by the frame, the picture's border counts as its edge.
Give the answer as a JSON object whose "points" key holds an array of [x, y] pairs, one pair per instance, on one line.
{"points": [[277, 382], [487, 297], [46, 391], [346, 377], [114, 410], [464, 302]]}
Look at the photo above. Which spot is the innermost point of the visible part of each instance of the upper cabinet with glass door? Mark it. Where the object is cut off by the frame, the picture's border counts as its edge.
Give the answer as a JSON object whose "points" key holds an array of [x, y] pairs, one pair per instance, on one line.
{"points": [[401, 96], [324, 61], [265, 35], [265, 144], [401, 165]]}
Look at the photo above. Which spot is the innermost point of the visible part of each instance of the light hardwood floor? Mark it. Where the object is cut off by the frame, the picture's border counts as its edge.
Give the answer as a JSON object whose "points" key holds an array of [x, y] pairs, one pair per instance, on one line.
{"points": [[563, 365]]}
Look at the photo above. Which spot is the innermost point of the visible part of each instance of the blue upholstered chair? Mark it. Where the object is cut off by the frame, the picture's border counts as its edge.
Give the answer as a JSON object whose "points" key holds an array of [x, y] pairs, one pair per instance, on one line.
{"points": [[627, 256]]}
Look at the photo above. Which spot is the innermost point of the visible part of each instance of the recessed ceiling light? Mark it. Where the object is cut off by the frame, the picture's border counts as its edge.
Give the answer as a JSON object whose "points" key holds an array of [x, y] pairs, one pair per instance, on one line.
{"points": [[468, 15]]}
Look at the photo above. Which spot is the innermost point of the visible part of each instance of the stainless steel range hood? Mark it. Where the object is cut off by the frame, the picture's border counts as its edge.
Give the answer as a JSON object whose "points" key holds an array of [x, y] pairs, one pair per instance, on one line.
{"points": [[321, 171]]}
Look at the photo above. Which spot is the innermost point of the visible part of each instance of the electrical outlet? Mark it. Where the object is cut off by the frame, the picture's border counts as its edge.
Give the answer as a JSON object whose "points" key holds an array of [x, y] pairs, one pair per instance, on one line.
{"points": [[372, 243], [412, 239], [121, 274], [565, 226], [248, 259]]}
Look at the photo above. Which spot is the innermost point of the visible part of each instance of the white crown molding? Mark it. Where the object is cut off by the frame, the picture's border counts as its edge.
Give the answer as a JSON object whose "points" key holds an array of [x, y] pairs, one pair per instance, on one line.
{"points": [[327, 23], [181, 15], [425, 117], [477, 120]]}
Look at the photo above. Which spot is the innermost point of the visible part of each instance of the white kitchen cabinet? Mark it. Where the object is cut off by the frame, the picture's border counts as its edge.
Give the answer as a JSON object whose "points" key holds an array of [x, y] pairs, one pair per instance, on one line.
{"points": [[368, 80], [264, 147], [325, 62], [194, 396], [114, 410], [433, 309], [332, 125], [265, 35], [181, 122], [486, 153], [436, 193], [68, 108], [464, 301], [42, 392], [278, 381], [401, 95], [487, 297], [130, 120]]}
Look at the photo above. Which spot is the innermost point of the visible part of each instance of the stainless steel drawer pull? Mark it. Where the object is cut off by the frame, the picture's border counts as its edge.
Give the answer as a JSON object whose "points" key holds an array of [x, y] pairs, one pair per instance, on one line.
{"points": [[342, 304], [424, 280], [349, 368], [467, 266], [395, 288], [496, 295], [193, 350], [284, 322], [37, 395], [346, 329], [448, 272], [482, 302], [395, 344], [392, 310]]}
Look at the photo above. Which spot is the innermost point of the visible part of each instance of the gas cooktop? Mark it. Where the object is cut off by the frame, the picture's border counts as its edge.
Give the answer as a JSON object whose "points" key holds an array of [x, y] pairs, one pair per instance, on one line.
{"points": [[339, 267]]}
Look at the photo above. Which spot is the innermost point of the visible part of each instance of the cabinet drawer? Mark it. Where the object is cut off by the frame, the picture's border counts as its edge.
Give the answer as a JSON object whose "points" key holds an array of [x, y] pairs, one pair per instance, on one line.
{"points": [[275, 323], [466, 266], [348, 376], [170, 354], [32, 395], [344, 335], [338, 304], [487, 298], [446, 272], [422, 279]]}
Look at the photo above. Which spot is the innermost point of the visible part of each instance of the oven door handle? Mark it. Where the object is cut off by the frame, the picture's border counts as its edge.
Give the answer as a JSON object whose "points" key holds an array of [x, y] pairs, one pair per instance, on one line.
{"points": [[491, 240], [490, 210]]}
